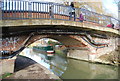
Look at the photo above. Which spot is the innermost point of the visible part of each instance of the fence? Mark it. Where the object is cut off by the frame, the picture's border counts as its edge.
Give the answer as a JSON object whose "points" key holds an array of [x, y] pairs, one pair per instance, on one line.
{"points": [[15, 9]]}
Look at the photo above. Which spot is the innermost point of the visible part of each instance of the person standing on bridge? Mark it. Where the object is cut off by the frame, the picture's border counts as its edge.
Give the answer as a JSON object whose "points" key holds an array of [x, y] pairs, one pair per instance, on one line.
{"points": [[72, 11], [81, 18], [51, 11]]}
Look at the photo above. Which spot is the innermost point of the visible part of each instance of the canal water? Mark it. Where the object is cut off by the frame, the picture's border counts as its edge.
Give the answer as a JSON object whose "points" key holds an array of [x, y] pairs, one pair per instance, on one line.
{"points": [[67, 68]]}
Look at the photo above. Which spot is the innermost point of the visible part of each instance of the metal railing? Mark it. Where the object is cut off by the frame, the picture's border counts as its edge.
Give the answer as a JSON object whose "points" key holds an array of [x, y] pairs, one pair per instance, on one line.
{"points": [[15, 9]]}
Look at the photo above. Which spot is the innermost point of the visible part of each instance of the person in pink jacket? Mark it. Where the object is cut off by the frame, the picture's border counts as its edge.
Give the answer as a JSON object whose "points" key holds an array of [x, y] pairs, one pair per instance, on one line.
{"points": [[110, 25], [81, 18]]}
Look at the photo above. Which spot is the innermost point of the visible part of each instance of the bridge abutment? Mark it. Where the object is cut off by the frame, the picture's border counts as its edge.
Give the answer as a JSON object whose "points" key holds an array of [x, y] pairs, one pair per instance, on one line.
{"points": [[106, 54], [7, 65]]}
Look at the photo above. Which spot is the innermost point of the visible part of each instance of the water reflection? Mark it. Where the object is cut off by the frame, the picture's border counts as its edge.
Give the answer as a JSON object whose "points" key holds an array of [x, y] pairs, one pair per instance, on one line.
{"points": [[55, 64], [84, 70], [73, 69]]}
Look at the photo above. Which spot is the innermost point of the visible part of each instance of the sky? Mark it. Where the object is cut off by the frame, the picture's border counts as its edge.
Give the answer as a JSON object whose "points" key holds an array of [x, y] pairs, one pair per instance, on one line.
{"points": [[111, 7]]}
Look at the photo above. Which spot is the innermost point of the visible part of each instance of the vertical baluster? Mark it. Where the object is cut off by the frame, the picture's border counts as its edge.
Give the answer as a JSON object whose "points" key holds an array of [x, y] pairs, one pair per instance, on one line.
{"points": [[33, 10], [26, 11], [54, 10], [42, 8], [15, 9], [1, 10], [12, 12], [23, 10], [9, 10], [61, 12], [38, 10], [45, 10], [20, 10], [64, 8], [48, 10], [57, 11]]}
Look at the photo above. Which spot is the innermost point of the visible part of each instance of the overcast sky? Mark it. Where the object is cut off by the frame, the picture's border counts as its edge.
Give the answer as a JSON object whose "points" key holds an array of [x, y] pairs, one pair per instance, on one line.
{"points": [[111, 7]]}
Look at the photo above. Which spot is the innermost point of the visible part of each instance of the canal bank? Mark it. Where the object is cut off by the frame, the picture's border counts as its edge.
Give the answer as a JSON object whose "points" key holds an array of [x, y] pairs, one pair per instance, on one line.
{"points": [[112, 58], [26, 68]]}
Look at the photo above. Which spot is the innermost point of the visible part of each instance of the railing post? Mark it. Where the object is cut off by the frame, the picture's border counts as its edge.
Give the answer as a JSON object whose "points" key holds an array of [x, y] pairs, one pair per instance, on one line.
{"points": [[29, 9], [0, 9], [119, 10]]}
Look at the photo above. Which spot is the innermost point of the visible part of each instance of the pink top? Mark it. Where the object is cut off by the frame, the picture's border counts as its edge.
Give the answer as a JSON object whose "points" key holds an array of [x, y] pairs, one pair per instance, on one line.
{"points": [[109, 25]]}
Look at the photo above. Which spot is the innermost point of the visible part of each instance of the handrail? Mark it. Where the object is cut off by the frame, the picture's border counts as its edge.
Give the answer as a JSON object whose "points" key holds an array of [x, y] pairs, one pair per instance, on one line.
{"points": [[16, 9], [93, 44]]}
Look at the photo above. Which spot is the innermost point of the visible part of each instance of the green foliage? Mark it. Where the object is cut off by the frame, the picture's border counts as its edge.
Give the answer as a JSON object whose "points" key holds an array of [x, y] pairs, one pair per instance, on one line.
{"points": [[5, 75], [54, 43]]}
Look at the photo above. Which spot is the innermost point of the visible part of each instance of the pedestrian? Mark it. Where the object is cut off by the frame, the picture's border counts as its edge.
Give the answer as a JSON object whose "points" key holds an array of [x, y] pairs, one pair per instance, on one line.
{"points": [[81, 18], [111, 25], [117, 26], [72, 11], [51, 12]]}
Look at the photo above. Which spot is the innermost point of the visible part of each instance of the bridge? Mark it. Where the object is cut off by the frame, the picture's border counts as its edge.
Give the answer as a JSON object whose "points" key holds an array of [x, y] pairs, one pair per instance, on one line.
{"points": [[25, 22]]}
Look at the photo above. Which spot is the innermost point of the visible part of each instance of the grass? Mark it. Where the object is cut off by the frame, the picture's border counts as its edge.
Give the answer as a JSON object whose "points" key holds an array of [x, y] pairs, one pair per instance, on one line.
{"points": [[5, 75]]}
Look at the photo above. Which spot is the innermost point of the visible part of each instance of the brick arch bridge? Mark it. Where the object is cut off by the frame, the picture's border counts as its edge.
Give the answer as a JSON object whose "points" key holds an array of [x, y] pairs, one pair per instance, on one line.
{"points": [[87, 40]]}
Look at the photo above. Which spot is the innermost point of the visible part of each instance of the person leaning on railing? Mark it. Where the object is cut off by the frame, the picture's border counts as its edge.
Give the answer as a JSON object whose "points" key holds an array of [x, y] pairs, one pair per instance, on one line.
{"points": [[72, 11], [111, 25]]}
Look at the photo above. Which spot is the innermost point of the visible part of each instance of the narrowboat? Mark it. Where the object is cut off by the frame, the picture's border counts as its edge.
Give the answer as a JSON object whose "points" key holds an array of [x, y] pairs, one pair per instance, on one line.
{"points": [[44, 50]]}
